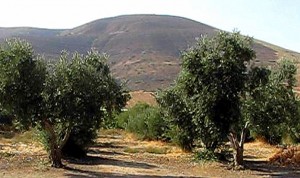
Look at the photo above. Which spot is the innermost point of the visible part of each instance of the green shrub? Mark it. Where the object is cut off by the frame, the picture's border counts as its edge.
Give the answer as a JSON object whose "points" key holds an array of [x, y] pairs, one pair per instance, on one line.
{"points": [[206, 155], [109, 121], [179, 137], [222, 154], [143, 120], [156, 150], [132, 150], [181, 129], [6, 121]]}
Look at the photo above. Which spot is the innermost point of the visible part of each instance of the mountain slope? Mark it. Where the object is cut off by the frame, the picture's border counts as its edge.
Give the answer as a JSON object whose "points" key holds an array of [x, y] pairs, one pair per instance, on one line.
{"points": [[143, 49]]}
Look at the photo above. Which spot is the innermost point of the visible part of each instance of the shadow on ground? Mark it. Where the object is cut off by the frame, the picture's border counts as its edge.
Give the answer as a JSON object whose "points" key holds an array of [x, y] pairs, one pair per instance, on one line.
{"points": [[78, 173], [101, 152], [266, 169], [97, 156], [96, 160], [107, 145]]}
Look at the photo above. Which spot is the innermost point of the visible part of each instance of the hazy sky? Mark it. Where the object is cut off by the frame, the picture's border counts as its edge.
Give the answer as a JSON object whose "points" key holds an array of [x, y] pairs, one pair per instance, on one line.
{"points": [[274, 21]]}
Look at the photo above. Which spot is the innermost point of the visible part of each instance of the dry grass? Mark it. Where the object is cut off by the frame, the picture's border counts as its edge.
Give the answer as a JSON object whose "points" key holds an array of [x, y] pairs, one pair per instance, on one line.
{"points": [[156, 150], [145, 146], [113, 132], [21, 144], [132, 150], [149, 149], [287, 156], [259, 149]]}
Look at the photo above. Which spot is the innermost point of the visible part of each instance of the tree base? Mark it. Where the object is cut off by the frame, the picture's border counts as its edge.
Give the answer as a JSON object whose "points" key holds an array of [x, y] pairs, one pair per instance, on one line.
{"points": [[57, 165]]}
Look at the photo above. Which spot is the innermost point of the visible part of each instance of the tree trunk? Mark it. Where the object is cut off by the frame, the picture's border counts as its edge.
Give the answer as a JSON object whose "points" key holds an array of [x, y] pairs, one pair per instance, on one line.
{"points": [[55, 154], [238, 147], [238, 157], [55, 157]]}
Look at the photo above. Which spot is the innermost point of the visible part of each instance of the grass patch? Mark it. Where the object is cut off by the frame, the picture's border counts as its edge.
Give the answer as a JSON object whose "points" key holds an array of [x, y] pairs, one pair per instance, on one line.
{"points": [[7, 135], [111, 132], [25, 137], [20, 137], [132, 150], [6, 155], [156, 150], [149, 149]]}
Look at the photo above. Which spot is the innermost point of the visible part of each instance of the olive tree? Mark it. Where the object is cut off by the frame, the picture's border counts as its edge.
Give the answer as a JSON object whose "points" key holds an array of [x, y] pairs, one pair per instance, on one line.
{"points": [[271, 107], [73, 93], [210, 86]]}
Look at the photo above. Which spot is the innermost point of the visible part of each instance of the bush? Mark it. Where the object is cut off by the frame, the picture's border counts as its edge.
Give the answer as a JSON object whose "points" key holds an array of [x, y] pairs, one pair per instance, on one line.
{"points": [[181, 129], [110, 121], [6, 121], [180, 137], [143, 120], [206, 155]]}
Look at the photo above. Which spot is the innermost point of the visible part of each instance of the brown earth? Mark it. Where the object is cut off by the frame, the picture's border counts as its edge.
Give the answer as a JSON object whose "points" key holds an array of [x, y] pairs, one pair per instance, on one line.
{"points": [[141, 97], [119, 154]]}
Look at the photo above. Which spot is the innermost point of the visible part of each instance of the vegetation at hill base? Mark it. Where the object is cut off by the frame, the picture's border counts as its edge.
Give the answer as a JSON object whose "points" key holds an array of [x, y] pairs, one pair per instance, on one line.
{"points": [[219, 96], [144, 120]]}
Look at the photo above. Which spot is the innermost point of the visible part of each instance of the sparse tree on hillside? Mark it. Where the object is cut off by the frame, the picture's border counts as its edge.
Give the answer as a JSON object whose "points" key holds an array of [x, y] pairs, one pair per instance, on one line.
{"points": [[70, 94]]}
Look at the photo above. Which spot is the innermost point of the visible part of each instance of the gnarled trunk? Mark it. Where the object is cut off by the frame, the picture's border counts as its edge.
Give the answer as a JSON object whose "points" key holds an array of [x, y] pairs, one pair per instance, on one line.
{"points": [[238, 147], [238, 157], [55, 157], [56, 145]]}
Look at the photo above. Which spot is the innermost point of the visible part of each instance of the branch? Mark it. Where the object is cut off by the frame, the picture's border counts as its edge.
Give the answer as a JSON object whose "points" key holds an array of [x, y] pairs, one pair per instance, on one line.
{"points": [[66, 137], [48, 127], [243, 135], [52, 136], [233, 140]]}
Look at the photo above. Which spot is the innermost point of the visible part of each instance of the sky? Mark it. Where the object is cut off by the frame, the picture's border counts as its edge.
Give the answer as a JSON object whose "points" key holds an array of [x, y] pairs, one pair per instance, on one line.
{"points": [[273, 21]]}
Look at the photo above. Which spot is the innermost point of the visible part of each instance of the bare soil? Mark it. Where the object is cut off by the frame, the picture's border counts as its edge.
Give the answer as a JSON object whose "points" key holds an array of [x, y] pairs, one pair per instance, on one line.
{"points": [[141, 97], [119, 154]]}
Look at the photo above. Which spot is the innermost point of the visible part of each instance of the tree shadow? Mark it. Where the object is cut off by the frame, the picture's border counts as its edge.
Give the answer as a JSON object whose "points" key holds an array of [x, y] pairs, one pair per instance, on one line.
{"points": [[96, 160], [267, 169], [106, 145], [247, 157], [264, 168], [110, 136], [101, 152], [79, 173]]}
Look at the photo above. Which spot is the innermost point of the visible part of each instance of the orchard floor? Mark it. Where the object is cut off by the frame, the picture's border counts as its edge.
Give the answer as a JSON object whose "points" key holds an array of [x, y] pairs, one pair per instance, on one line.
{"points": [[119, 154]]}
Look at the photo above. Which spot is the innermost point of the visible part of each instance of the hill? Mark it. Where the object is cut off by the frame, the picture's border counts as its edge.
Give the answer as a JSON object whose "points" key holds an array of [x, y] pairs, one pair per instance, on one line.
{"points": [[143, 49]]}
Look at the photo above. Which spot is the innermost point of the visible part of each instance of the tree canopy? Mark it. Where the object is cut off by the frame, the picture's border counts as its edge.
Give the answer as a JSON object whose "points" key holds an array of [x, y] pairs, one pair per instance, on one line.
{"points": [[72, 94], [219, 94]]}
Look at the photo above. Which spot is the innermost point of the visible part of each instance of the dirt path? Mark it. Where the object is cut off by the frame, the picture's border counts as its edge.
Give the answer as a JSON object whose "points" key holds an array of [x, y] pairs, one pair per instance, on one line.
{"points": [[117, 154]]}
